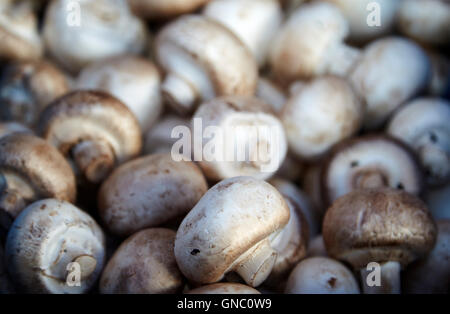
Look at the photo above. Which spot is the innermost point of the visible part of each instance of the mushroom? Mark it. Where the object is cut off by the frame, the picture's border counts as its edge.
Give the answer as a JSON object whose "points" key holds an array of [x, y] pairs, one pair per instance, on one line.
{"points": [[255, 22], [316, 247], [143, 264], [320, 114], [311, 43], [321, 275], [423, 124], [230, 230], [391, 71], [27, 87], [92, 129], [7, 128], [224, 288], [54, 247], [431, 274], [31, 169], [371, 161], [91, 30], [247, 139], [195, 74], [271, 93], [164, 9], [149, 192], [438, 200], [133, 80], [19, 32], [368, 19], [385, 226], [427, 21]]}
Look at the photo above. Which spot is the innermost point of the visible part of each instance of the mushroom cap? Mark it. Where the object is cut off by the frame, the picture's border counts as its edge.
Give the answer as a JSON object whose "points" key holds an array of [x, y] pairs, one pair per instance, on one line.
{"points": [[164, 9], [133, 80], [224, 288], [39, 164], [255, 22], [319, 115], [432, 273], [378, 225], [7, 128], [425, 21], [391, 71], [321, 275], [229, 220], [240, 121], [353, 163], [19, 32], [44, 239], [27, 87], [144, 263], [107, 28], [227, 67], [91, 115], [149, 192], [422, 124]]}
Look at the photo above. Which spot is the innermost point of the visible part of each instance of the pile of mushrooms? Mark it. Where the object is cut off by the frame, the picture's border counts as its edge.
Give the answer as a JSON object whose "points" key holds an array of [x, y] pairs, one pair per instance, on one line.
{"points": [[224, 146]]}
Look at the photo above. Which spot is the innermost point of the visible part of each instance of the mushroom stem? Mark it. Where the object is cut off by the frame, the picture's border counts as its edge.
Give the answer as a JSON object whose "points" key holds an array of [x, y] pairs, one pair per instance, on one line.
{"points": [[178, 92], [257, 264], [87, 264], [95, 159], [342, 59], [389, 279], [371, 179]]}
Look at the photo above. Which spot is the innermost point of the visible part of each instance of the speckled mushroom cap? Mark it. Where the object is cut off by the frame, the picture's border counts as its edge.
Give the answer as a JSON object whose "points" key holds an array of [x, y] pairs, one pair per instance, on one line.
{"points": [[45, 238], [19, 32], [164, 9], [241, 121], [391, 71], [194, 73], [144, 263], [378, 225], [424, 125], [92, 116], [370, 161], [224, 288], [27, 87], [149, 192], [106, 28], [33, 170], [229, 228]]}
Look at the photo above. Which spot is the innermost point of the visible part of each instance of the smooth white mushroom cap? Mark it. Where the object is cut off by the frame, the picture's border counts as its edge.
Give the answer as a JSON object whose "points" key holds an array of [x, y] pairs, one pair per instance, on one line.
{"points": [[45, 238], [321, 275], [255, 22], [107, 28], [391, 71]]}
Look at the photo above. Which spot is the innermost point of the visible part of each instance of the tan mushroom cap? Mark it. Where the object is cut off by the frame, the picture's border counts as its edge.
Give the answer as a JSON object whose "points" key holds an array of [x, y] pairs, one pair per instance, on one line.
{"points": [[224, 288], [378, 225], [149, 192], [144, 263], [230, 229], [164, 9]]}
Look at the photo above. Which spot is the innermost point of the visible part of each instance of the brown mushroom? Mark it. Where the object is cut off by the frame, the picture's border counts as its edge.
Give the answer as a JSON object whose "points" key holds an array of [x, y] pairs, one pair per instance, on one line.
{"points": [[224, 288], [164, 9]]}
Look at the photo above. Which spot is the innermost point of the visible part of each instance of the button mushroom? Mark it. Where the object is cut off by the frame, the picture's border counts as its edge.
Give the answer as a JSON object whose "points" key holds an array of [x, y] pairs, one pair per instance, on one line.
{"points": [[224, 288], [195, 74], [311, 43], [31, 169], [144, 263], [319, 115], [164, 9], [255, 22], [133, 80], [371, 161], [94, 130], [423, 124], [391, 71], [247, 139], [97, 30], [230, 229], [26, 88], [54, 247], [384, 226], [149, 192], [321, 275]]}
